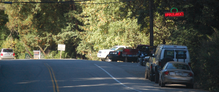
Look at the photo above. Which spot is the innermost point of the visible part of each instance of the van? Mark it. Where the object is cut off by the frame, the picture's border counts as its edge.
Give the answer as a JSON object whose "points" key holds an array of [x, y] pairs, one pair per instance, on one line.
{"points": [[162, 55]]}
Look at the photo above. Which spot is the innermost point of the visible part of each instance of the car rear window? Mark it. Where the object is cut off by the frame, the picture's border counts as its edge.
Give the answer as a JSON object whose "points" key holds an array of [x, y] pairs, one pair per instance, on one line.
{"points": [[7, 50], [180, 54], [169, 54], [143, 48], [178, 66]]}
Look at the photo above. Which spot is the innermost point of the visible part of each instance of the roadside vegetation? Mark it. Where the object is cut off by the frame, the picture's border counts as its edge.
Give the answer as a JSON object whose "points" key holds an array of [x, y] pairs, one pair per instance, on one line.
{"points": [[88, 26]]}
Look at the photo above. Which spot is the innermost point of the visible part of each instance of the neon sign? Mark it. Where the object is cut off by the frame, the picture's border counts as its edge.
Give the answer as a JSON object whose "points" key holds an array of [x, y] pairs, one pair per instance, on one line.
{"points": [[174, 14]]}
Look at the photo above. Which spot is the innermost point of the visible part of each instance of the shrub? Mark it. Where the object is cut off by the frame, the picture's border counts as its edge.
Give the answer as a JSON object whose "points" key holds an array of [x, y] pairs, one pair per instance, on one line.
{"points": [[208, 75]]}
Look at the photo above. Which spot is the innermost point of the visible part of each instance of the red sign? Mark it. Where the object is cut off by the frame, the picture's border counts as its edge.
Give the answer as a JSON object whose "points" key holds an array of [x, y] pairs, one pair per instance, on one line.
{"points": [[174, 14]]}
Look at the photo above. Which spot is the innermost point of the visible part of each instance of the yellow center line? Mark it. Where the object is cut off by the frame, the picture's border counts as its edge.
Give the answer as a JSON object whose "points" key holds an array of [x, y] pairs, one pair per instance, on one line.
{"points": [[53, 78]]}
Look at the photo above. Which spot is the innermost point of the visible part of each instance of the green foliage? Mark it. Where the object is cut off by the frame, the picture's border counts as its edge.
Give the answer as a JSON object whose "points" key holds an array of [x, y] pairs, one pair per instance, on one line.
{"points": [[4, 33], [39, 25], [56, 55], [201, 17], [16, 45], [90, 26], [209, 64], [19, 49], [106, 26]]}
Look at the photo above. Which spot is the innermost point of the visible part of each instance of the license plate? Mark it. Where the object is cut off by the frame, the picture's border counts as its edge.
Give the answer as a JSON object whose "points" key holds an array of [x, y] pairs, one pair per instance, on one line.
{"points": [[184, 74], [178, 73], [172, 73]]}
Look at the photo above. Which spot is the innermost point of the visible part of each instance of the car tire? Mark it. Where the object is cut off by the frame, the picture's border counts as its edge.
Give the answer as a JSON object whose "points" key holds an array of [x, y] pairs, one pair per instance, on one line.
{"points": [[126, 59], [107, 59], [144, 63], [156, 76], [146, 74], [161, 83], [151, 78], [102, 59], [189, 85], [141, 63]]}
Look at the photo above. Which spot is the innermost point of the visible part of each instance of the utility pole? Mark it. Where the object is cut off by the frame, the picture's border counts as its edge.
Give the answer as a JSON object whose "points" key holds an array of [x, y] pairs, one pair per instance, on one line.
{"points": [[151, 22]]}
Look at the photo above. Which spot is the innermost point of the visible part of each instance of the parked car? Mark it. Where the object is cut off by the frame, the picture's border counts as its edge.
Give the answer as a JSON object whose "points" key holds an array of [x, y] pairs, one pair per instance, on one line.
{"points": [[146, 58], [134, 54], [102, 54], [163, 54], [130, 55], [144, 53], [7, 54], [116, 55], [176, 73]]}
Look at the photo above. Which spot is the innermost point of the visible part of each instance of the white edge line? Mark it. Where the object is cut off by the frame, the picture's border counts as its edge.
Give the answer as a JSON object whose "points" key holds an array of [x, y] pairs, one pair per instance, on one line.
{"points": [[116, 79]]}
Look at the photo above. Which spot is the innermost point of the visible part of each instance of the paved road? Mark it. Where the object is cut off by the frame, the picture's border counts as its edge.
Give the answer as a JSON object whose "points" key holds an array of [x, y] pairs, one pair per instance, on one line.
{"points": [[77, 76]]}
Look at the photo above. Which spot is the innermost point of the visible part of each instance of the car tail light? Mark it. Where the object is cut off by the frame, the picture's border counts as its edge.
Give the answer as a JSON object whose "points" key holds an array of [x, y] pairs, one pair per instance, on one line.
{"points": [[151, 66], [166, 72], [13, 54], [1, 54], [190, 74], [119, 53]]}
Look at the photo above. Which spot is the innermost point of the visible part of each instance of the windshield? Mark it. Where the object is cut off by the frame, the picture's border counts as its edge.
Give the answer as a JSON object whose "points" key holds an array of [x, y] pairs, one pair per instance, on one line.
{"points": [[114, 48]]}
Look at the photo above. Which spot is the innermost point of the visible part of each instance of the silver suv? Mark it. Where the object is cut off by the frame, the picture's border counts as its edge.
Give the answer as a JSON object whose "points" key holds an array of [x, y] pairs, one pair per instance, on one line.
{"points": [[7, 54]]}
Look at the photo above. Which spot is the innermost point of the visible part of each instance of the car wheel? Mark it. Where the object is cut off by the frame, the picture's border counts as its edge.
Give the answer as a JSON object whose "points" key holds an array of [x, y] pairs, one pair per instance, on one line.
{"points": [[107, 59], [189, 85], [146, 74], [141, 63], [126, 59], [156, 77], [151, 78], [161, 83], [144, 63], [102, 59]]}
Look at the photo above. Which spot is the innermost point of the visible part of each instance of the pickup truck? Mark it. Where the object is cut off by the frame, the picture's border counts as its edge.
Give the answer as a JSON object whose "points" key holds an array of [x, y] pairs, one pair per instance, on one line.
{"points": [[133, 54], [103, 54]]}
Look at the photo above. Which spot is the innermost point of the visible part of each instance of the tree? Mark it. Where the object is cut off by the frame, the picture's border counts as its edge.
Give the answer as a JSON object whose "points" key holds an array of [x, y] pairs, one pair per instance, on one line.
{"points": [[106, 25], [36, 23]]}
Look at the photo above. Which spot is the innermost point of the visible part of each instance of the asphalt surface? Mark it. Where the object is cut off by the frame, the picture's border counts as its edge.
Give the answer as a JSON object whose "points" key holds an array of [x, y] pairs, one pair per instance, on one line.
{"points": [[78, 76]]}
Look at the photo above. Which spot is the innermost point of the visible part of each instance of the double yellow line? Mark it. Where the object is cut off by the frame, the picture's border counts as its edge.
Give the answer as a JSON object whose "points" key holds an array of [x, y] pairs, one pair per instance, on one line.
{"points": [[53, 78]]}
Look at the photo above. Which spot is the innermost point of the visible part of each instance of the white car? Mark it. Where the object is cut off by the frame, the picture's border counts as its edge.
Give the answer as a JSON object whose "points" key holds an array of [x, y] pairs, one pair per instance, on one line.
{"points": [[102, 54], [7, 54]]}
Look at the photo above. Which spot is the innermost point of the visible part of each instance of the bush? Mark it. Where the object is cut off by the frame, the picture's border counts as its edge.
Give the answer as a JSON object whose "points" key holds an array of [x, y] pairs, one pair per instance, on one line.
{"points": [[208, 66], [56, 55]]}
